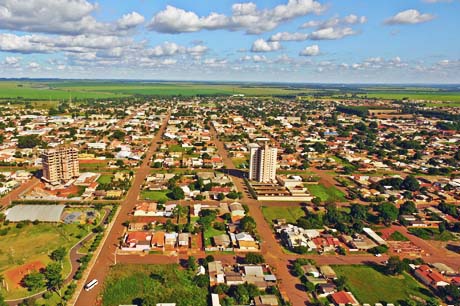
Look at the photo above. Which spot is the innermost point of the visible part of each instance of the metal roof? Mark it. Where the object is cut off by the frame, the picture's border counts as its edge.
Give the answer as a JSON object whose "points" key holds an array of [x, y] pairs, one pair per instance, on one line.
{"points": [[43, 213]]}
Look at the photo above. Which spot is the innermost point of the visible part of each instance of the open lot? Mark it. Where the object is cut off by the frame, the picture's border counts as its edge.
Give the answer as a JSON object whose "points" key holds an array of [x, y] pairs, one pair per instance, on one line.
{"points": [[155, 195], [291, 214], [326, 193], [33, 243], [131, 284], [105, 179], [370, 285]]}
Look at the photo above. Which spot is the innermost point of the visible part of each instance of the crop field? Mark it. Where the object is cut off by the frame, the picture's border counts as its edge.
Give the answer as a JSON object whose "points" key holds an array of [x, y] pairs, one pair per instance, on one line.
{"points": [[132, 284], [369, 285], [80, 90], [66, 90], [39, 91]]}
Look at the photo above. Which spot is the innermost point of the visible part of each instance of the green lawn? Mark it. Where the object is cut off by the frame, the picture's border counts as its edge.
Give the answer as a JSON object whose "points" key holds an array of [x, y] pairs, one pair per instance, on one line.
{"points": [[152, 284], [240, 162], [105, 179], [155, 195], [209, 233], [35, 242], [372, 286], [397, 236], [326, 194], [291, 214], [93, 166], [432, 234], [176, 148]]}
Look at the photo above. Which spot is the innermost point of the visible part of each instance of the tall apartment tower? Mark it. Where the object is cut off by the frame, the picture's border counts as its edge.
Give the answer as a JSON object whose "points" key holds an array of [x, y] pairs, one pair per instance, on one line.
{"points": [[262, 161], [60, 165]]}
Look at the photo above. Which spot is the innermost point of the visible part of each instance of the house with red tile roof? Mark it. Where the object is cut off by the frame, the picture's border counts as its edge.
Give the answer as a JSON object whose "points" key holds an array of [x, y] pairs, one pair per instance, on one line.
{"points": [[343, 298], [430, 277]]}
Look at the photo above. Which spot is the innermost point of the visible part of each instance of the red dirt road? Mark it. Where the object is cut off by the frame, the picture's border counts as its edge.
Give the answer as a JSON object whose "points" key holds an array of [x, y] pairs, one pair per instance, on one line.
{"points": [[13, 195], [107, 256]]}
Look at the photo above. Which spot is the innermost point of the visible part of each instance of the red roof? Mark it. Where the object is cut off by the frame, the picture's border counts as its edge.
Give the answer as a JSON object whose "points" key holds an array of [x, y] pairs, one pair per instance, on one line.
{"points": [[134, 237], [343, 297]]}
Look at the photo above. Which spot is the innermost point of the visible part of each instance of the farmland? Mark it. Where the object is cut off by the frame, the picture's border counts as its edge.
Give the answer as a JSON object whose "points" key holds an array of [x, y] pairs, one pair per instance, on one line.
{"points": [[54, 91]]}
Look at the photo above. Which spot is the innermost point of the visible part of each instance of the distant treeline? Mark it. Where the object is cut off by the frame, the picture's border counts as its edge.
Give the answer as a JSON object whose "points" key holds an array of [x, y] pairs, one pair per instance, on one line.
{"points": [[454, 119], [353, 110]]}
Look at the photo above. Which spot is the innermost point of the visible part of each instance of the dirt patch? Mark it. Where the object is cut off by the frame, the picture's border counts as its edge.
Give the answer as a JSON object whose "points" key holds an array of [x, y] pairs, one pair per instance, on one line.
{"points": [[15, 276]]}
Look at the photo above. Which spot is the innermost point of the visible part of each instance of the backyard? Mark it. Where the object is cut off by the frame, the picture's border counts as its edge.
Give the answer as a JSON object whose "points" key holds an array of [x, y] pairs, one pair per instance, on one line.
{"points": [[209, 233], [152, 284], [371, 285]]}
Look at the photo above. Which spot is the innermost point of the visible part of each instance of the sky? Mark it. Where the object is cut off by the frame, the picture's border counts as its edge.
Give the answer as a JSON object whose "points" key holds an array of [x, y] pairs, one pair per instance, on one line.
{"points": [[305, 41]]}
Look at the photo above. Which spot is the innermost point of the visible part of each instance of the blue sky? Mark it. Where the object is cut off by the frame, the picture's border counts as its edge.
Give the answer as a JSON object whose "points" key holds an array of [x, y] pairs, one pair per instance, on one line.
{"points": [[336, 41]]}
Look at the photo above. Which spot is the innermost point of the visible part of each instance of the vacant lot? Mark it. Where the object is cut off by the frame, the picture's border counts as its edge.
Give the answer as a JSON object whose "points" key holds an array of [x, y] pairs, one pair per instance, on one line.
{"points": [[291, 214], [34, 243], [105, 179], [369, 285], [155, 195], [152, 284], [326, 193]]}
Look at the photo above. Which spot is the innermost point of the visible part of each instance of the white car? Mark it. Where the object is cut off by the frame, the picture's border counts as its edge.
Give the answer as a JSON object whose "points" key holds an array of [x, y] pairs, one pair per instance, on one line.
{"points": [[91, 284], [378, 255]]}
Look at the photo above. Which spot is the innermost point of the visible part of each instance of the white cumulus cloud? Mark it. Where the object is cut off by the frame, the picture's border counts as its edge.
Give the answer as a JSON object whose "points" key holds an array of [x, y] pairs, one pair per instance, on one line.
{"points": [[332, 33], [245, 16], [287, 36], [260, 45], [410, 16], [312, 50]]}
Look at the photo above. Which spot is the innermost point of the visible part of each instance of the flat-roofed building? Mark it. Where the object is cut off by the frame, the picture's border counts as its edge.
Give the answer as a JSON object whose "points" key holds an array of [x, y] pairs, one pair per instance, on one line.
{"points": [[60, 165]]}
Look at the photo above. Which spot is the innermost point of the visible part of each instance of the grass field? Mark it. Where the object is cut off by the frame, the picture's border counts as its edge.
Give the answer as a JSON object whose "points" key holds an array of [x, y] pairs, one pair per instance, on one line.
{"points": [[80, 90], [240, 162], [105, 179], [41, 91], [326, 194], [93, 166], [291, 214], [397, 236], [432, 234], [415, 95], [35, 242], [152, 284], [372, 286], [155, 195]]}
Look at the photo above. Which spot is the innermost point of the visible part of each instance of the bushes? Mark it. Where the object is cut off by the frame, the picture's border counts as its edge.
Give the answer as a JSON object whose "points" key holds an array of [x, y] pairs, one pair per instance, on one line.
{"points": [[254, 258]]}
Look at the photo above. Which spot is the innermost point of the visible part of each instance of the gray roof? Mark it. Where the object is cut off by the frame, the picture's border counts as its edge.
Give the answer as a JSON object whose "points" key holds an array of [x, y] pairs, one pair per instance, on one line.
{"points": [[43, 213]]}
